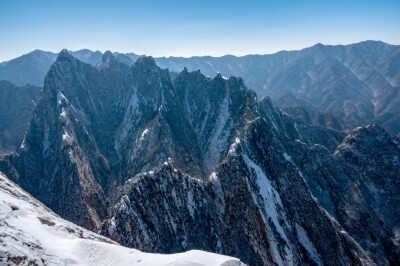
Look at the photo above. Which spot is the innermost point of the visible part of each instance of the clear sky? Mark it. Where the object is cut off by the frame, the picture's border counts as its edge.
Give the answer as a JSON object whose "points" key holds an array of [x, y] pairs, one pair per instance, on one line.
{"points": [[190, 27]]}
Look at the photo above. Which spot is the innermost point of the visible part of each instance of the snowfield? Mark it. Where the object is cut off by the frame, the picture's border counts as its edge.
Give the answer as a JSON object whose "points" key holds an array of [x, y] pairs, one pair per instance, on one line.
{"points": [[31, 234]]}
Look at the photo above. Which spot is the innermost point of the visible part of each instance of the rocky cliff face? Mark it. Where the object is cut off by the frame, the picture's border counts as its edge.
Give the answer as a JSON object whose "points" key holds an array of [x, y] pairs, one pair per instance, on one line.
{"points": [[358, 185], [256, 193], [202, 163], [16, 107], [95, 127], [31, 234], [357, 83], [268, 190]]}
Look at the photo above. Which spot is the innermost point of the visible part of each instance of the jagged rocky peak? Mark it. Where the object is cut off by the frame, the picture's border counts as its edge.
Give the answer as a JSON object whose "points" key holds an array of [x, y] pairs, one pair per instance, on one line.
{"points": [[264, 188], [365, 143], [358, 185], [214, 108], [64, 58], [256, 193], [245, 180], [106, 59], [365, 137], [93, 129], [64, 54]]}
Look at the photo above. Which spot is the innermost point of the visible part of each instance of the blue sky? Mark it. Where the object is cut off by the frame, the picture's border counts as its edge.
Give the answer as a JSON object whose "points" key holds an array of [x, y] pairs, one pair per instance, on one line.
{"points": [[189, 27]]}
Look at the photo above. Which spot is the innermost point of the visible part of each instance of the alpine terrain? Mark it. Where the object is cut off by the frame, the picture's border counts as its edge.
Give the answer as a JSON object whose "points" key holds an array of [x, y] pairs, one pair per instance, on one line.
{"points": [[198, 163], [356, 84], [31, 234]]}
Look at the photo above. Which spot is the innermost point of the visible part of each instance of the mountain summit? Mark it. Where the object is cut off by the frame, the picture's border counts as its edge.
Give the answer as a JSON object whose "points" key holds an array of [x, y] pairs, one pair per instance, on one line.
{"points": [[202, 163]]}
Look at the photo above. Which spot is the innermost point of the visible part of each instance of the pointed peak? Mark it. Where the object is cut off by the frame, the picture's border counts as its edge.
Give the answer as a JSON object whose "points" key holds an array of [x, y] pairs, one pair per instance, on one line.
{"points": [[107, 57], [219, 76], [64, 54], [319, 47]]}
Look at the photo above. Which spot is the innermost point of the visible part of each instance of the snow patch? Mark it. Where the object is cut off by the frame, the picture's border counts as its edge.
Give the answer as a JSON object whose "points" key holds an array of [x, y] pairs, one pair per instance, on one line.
{"points": [[287, 157], [145, 132], [307, 244], [34, 233], [268, 200], [220, 135], [295, 126], [233, 146], [213, 176], [67, 140], [61, 99], [190, 203], [23, 144]]}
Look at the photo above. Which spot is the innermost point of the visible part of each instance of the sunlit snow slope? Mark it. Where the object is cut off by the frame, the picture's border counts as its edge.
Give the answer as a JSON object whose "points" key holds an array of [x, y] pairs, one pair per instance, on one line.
{"points": [[31, 234]]}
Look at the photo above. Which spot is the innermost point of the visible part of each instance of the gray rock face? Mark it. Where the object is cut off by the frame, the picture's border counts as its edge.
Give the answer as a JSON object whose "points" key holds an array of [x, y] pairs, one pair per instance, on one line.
{"points": [[16, 107], [31, 234], [256, 194], [202, 163], [96, 127], [359, 186], [358, 83], [265, 191]]}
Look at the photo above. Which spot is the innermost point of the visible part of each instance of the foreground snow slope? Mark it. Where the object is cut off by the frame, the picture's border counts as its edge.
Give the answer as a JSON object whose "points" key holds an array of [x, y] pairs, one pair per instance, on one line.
{"points": [[30, 233]]}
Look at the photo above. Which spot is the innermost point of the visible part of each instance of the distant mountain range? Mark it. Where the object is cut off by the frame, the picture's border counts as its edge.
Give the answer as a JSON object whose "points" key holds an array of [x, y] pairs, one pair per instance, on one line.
{"points": [[357, 84], [169, 165]]}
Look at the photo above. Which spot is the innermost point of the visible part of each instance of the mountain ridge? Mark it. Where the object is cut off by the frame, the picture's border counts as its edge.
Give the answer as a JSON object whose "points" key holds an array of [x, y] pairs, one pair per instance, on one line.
{"points": [[357, 83], [33, 234], [124, 149]]}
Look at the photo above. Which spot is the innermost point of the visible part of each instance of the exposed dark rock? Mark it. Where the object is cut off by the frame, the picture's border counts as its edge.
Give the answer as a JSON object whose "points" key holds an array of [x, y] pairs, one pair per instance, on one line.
{"points": [[16, 107], [241, 177]]}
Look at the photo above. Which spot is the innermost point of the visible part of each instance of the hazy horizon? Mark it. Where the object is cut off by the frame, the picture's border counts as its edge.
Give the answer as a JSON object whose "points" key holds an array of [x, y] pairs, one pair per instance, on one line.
{"points": [[184, 28], [167, 56]]}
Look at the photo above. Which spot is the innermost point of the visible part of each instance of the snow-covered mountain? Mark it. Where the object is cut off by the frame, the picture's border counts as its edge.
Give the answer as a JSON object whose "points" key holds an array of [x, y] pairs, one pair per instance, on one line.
{"points": [[31, 234], [202, 163]]}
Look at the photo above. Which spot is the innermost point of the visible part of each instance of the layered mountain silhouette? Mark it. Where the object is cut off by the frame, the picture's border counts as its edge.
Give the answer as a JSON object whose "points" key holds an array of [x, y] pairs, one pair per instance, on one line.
{"points": [[358, 83], [203, 163]]}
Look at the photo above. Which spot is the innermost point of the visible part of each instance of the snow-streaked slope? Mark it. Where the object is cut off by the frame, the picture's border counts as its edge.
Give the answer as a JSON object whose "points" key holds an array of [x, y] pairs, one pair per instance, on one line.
{"points": [[30, 233]]}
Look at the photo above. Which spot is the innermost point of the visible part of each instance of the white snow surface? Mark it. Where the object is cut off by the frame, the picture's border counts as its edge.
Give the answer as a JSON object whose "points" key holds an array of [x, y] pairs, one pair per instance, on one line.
{"points": [[269, 201], [287, 157], [220, 135], [307, 244], [31, 233]]}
